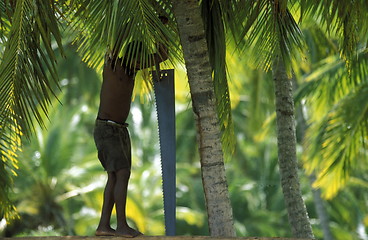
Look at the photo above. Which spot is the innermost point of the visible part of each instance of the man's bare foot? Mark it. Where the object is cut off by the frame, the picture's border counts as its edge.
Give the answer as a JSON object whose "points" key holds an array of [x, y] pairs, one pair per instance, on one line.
{"points": [[105, 232], [128, 233]]}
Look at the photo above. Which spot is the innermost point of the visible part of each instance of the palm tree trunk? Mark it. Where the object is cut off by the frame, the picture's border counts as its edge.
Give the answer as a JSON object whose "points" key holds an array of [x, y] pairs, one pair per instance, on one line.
{"points": [[321, 211], [318, 201], [193, 41], [286, 139]]}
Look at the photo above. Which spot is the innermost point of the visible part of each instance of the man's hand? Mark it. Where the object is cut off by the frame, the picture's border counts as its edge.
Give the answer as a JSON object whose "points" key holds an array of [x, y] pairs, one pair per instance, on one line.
{"points": [[162, 50]]}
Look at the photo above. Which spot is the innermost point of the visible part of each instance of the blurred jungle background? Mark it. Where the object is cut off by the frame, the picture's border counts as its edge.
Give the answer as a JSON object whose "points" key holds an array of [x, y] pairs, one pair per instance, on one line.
{"points": [[58, 182]]}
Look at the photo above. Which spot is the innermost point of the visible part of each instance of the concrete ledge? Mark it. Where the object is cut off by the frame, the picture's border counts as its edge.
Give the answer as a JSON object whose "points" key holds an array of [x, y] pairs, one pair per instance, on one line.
{"points": [[153, 238]]}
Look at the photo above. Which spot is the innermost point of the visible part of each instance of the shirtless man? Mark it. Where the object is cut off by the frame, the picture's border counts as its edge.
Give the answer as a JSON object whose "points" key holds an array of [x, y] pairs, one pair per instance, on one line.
{"points": [[113, 141]]}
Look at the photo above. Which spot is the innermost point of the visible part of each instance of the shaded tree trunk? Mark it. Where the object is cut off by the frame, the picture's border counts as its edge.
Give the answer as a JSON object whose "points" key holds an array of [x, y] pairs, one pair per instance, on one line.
{"points": [[193, 41], [286, 140], [321, 211], [318, 201]]}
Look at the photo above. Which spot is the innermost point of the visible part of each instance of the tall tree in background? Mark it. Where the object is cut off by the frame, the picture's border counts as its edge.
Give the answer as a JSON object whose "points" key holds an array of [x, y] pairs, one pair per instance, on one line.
{"points": [[285, 123], [272, 32], [286, 139]]}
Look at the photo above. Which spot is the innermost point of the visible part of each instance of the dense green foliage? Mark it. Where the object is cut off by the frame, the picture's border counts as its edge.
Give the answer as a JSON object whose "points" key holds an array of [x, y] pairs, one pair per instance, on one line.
{"points": [[58, 181], [61, 180]]}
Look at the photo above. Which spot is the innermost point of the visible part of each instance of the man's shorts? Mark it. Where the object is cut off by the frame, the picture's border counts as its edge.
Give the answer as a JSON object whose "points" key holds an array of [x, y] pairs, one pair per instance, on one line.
{"points": [[113, 145]]}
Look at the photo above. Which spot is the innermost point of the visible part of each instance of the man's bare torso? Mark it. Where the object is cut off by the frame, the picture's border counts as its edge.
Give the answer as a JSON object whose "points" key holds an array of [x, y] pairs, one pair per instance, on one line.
{"points": [[116, 93], [117, 86]]}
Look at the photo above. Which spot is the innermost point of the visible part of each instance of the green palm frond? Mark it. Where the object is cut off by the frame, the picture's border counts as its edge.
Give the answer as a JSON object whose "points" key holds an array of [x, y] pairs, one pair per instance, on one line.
{"points": [[232, 17], [212, 14], [9, 147], [23, 80], [109, 26], [270, 29], [332, 93], [5, 9], [27, 57], [346, 19], [318, 43], [330, 80], [341, 141], [336, 140]]}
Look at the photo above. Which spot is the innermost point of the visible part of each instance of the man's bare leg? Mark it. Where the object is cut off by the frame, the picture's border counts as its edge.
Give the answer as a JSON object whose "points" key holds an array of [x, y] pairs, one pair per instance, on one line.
{"points": [[104, 228], [120, 193]]}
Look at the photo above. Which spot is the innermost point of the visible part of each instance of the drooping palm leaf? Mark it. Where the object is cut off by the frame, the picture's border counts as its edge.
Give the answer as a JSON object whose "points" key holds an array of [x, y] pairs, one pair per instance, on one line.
{"points": [[329, 81], [9, 146], [27, 57], [340, 143], [23, 82], [109, 26], [212, 14], [270, 29], [336, 141], [346, 19], [4, 21], [320, 45]]}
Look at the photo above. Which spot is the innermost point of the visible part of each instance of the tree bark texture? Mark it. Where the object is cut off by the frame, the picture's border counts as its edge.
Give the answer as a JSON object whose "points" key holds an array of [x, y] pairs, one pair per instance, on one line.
{"points": [[193, 42], [286, 140]]}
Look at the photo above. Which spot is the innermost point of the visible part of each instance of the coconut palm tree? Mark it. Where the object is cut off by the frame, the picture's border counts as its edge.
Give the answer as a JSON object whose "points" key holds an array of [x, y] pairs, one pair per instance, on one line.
{"points": [[323, 60], [272, 31], [286, 136], [279, 35]]}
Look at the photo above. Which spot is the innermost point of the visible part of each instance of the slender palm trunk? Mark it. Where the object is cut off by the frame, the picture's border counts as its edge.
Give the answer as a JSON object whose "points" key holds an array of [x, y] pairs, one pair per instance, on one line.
{"points": [[286, 138], [318, 201], [321, 211], [193, 41]]}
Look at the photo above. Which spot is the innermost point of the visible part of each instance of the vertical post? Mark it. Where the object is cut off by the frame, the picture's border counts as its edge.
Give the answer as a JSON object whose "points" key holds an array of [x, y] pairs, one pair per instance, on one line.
{"points": [[165, 106]]}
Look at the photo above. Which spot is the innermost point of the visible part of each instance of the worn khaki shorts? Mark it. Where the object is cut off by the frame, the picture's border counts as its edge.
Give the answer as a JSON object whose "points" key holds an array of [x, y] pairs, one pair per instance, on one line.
{"points": [[113, 145]]}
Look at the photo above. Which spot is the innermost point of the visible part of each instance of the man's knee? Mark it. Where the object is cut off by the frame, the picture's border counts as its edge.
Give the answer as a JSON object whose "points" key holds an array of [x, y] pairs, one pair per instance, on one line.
{"points": [[111, 178], [123, 173]]}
